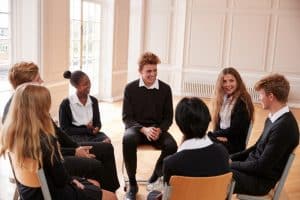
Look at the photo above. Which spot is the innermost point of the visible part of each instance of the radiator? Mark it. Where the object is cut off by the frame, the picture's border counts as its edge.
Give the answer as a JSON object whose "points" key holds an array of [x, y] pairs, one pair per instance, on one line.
{"points": [[206, 90]]}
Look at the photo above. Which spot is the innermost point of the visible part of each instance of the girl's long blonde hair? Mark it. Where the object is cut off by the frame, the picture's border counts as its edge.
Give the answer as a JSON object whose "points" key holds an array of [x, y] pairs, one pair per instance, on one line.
{"points": [[241, 92], [27, 121]]}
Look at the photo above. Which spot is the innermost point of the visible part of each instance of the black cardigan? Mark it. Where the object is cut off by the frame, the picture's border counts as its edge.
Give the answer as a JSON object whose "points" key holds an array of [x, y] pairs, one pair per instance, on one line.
{"points": [[66, 118], [212, 160], [239, 125], [147, 107]]}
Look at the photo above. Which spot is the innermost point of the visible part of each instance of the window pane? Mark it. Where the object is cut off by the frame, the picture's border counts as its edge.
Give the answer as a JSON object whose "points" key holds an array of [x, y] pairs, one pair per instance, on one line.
{"points": [[3, 20], [75, 29], [5, 42], [4, 6], [4, 52], [75, 10], [76, 48], [90, 49], [91, 41], [91, 12]]}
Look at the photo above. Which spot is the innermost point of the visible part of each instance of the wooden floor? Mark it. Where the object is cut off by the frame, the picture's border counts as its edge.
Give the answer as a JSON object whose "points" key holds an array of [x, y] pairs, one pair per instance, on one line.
{"points": [[113, 126]]}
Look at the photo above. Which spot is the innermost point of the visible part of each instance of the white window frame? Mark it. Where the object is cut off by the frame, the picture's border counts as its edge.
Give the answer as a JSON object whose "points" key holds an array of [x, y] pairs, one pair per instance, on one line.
{"points": [[81, 56]]}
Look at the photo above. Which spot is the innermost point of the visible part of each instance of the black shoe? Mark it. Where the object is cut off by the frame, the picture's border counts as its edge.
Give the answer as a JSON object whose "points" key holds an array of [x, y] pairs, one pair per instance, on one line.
{"points": [[153, 178], [157, 185], [131, 194]]}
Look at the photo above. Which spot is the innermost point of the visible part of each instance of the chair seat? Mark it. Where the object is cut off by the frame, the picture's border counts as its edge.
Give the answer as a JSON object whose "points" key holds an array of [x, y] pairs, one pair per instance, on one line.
{"points": [[283, 196], [146, 147]]}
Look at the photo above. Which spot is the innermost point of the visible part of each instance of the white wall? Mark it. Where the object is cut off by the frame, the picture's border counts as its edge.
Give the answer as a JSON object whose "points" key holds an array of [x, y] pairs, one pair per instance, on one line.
{"points": [[55, 21], [257, 37], [41, 34], [120, 57], [194, 38]]}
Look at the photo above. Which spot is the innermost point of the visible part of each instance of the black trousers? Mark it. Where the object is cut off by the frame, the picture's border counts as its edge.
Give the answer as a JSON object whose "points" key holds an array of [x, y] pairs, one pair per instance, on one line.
{"points": [[252, 185], [133, 137], [230, 148], [89, 138], [102, 169]]}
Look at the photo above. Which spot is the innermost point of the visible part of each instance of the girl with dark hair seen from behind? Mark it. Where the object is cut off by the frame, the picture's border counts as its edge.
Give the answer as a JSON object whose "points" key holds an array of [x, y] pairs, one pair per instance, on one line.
{"points": [[79, 114], [197, 156], [233, 111]]}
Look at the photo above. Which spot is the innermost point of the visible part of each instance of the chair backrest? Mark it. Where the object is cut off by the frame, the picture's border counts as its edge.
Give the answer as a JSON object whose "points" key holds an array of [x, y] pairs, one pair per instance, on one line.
{"points": [[26, 176], [249, 132], [213, 187], [280, 184]]}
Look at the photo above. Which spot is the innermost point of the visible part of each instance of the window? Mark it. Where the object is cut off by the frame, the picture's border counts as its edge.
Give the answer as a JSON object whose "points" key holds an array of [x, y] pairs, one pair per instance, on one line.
{"points": [[85, 34], [5, 51]]}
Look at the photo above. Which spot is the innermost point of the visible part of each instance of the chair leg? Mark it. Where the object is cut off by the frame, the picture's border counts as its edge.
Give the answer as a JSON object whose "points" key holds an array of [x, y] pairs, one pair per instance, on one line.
{"points": [[231, 188], [16, 194]]}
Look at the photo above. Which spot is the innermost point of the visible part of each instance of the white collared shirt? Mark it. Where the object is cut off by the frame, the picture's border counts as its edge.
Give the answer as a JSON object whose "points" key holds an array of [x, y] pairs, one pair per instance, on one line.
{"points": [[82, 114], [225, 112], [154, 86], [278, 114], [195, 143]]}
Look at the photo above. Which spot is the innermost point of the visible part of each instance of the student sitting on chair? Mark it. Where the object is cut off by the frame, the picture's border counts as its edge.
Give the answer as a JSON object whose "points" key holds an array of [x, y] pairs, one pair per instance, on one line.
{"points": [[197, 156], [79, 114], [232, 111], [92, 159], [28, 133], [257, 169], [147, 115]]}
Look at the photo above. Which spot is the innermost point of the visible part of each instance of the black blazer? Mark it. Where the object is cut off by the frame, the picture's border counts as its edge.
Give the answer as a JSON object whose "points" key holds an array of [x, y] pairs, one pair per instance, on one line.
{"points": [[238, 130], [68, 146], [66, 118], [267, 158]]}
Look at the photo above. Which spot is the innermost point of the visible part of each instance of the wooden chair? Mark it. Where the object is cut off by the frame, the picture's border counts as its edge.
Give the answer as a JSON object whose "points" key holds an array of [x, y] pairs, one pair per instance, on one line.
{"points": [[29, 178], [274, 194], [195, 188], [143, 147]]}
